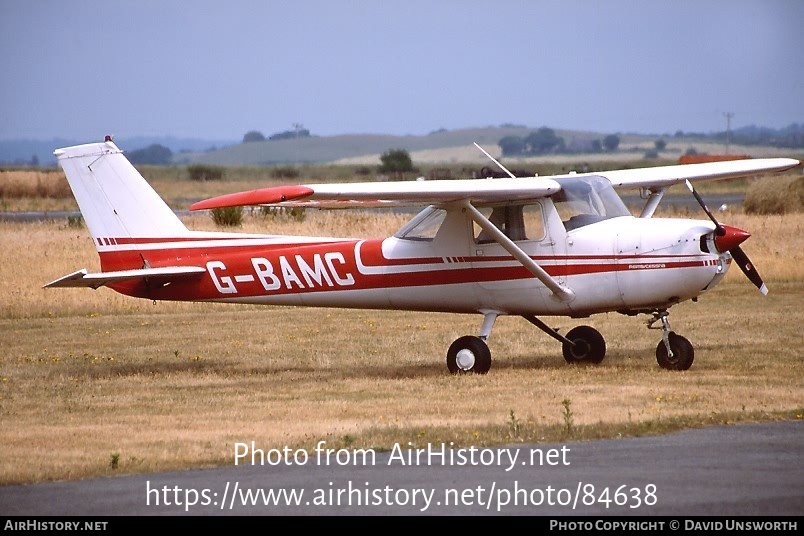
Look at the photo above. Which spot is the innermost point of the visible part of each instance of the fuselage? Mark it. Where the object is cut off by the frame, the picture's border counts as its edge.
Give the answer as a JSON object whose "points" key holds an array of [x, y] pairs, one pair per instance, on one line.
{"points": [[622, 263]]}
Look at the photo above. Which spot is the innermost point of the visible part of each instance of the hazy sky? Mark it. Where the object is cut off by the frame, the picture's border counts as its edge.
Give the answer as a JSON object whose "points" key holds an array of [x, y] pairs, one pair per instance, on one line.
{"points": [[79, 69]]}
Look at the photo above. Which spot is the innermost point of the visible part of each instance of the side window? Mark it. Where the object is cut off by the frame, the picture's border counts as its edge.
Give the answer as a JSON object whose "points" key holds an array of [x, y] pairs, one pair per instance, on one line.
{"points": [[518, 222], [534, 221]]}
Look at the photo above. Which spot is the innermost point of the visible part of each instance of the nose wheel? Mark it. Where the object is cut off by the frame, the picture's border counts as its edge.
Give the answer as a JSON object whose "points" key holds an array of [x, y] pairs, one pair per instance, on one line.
{"points": [[673, 352]]}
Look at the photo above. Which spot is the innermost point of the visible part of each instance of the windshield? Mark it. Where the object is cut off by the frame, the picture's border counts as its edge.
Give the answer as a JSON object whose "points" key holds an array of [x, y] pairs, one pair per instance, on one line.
{"points": [[424, 226], [586, 200]]}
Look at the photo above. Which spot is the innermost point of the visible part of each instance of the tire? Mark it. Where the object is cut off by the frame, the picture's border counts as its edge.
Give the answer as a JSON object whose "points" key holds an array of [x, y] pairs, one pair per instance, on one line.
{"points": [[469, 354], [590, 346], [683, 353]]}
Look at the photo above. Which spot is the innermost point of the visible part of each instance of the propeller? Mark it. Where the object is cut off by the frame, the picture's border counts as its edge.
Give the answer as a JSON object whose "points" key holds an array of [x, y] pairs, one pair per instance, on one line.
{"points": [[729, 239]]}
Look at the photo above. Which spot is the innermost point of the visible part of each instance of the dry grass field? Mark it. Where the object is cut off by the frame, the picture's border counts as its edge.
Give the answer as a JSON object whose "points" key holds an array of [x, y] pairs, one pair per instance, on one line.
{"points": [[95, 383]]}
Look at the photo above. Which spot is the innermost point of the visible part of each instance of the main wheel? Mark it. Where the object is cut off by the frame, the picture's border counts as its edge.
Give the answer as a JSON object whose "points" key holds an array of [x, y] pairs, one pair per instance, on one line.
{"points": [[469, 354], [683, 353], [590, 346]]}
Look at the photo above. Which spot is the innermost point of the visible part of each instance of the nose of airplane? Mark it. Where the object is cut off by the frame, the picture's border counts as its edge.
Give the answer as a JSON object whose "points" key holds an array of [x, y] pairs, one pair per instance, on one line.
{"points": [[730, 239]]}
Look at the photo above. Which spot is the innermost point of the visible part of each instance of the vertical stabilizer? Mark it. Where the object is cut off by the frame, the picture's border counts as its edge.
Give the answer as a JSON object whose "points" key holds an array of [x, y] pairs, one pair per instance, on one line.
{"points": [[115, 200]]}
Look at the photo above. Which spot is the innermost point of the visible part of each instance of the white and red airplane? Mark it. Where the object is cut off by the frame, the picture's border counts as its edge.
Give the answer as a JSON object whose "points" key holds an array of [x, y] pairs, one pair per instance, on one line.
{"points": [[562, 245]]}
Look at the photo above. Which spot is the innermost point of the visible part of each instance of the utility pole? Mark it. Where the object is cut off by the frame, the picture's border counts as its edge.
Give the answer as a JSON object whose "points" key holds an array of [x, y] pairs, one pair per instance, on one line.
{"points": [[296, 132], [728, 116]]}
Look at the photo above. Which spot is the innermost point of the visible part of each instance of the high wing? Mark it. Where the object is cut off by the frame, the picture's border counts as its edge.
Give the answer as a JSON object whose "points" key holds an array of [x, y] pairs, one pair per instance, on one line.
{"points": [[396, 193], [656, 180], [479, 191], [159, 275], [666, 176]]}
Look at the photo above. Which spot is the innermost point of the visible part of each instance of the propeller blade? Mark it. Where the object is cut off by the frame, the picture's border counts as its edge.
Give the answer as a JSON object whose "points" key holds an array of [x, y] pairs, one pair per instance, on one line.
{"points": [[737, 252], [718, 228], [748, 269]]}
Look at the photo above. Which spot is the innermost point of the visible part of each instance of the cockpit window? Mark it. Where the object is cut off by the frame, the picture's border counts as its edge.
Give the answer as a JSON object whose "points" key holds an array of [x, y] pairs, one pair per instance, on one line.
{"points": [[587, 200], [424, 225]]}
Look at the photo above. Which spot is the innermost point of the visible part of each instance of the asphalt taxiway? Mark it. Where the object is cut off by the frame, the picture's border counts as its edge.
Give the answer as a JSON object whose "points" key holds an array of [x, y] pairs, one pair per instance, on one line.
{"points": [[729, 470]]}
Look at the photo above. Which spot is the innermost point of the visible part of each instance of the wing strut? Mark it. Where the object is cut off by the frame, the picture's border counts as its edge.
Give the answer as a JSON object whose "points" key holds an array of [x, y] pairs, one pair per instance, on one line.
{"points": [[652, 202], [561, 292]]}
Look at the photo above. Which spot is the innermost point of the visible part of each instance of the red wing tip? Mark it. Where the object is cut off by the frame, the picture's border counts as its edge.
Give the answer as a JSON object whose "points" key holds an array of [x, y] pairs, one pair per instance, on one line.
{"points": [[263, 196]]}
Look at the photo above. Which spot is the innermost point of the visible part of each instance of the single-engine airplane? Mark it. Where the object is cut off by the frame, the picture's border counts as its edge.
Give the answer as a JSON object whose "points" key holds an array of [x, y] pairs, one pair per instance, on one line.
{"points": [[563, 245]]}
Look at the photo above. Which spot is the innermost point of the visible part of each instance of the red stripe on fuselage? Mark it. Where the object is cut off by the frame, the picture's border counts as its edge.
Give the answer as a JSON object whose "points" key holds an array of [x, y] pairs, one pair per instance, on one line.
{"points": [[246, 270]]}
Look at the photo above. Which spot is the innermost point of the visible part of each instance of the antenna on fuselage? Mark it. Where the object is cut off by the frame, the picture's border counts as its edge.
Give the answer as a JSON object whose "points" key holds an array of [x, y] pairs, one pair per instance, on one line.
{"points": [[502, 167]]}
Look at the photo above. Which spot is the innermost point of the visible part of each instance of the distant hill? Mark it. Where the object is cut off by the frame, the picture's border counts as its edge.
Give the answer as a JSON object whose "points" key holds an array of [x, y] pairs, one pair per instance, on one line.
{"points": [[325, 149], [21, 152], [456, 146], [442, 146]]}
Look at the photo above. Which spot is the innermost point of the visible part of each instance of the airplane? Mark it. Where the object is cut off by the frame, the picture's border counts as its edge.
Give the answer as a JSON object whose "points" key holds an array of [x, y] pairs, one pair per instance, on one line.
{"points": [[540, 246]]}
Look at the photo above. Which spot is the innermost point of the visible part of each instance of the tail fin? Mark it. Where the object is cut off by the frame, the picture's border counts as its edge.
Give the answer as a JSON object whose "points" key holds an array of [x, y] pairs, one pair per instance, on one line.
{"points": [[115, 200], [126, 219]]}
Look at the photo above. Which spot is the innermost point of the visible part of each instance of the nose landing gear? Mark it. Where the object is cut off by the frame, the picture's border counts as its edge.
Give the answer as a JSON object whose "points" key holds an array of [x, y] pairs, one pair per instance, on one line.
{"points": [[674, 352]]}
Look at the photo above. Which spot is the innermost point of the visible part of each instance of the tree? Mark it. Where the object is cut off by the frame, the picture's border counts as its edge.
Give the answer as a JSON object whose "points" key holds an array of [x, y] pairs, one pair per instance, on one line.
{"points": [[396, 161], [253, 135], [155, 155], [290, 134], [543, 141], [511, 145], [611, 142], [660, 144]]}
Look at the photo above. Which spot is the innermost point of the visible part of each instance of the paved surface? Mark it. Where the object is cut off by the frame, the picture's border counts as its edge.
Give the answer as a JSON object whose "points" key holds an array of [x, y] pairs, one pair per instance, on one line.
{"points": [[741, 470]]}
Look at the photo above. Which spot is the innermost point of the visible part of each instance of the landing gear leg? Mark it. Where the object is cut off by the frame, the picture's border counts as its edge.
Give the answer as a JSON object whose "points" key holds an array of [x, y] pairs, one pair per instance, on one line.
{"points": [[674, 352], [487, 326], [470, 354]]}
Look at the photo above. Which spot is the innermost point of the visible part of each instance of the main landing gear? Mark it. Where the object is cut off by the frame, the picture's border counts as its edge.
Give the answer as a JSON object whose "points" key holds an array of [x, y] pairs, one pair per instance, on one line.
{"points": [[585, 345], [582, 344], [470, 354]]}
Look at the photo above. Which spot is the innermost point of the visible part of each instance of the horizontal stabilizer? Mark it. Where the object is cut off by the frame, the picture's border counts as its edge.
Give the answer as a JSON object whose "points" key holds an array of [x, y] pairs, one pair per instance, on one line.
{"points": [[83, 279]]}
